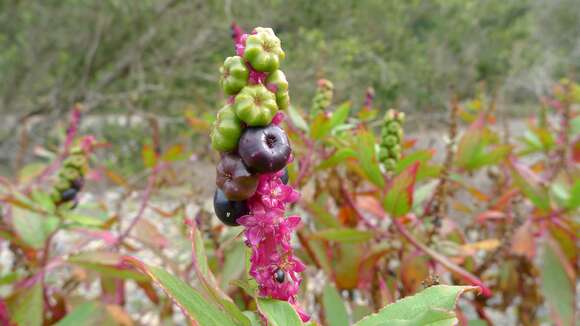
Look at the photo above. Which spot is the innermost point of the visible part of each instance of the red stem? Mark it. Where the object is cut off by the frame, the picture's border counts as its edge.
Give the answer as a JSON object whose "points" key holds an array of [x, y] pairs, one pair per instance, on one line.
{"points": [[474, 280]]}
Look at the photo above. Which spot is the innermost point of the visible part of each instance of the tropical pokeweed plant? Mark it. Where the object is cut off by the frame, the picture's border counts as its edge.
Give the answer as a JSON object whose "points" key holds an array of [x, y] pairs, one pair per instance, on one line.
{"points": [[252, 191]]}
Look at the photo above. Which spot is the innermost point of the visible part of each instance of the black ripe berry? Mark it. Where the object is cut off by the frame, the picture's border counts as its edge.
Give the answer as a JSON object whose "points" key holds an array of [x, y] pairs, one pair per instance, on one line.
{"points": [[68, 195], [228, 211], [264, 149], [285, 177], [77, 183], [279, 275]]}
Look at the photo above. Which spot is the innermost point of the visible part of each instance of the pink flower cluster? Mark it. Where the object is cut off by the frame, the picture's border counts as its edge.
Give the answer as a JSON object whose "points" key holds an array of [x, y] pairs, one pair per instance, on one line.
{"points": [[268, 234]]}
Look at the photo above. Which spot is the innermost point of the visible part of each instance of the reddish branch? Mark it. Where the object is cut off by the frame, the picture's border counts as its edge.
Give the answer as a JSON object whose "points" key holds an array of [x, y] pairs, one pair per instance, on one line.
{"points": [[467, 276]]}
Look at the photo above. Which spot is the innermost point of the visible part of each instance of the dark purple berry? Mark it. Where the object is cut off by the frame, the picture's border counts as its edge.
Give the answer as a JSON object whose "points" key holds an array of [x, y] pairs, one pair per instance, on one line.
{"points": [[228, 211], [234, 178], [78, 183], [264, 149], [279, 275], [68, 195], [285, 177]]}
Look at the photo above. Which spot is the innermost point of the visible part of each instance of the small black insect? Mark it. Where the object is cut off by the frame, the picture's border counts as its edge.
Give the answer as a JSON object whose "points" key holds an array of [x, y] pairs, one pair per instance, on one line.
{"points": [[279, 275]]}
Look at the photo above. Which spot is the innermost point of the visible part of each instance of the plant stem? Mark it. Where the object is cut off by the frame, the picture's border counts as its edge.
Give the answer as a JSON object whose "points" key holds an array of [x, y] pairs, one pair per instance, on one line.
{"points": [[485, 291]]}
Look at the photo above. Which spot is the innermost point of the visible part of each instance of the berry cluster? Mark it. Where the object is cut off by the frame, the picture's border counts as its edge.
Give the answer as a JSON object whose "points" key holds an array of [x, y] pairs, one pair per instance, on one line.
{"points": [[252, 178], [323, 97], [391, 139], [70, 178]]}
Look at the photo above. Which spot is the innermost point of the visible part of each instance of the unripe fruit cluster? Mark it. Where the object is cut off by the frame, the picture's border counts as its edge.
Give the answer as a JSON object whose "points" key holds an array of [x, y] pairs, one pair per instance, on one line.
{"points": [[70, 178], [250, 141], [390, 147], [323, 97]]}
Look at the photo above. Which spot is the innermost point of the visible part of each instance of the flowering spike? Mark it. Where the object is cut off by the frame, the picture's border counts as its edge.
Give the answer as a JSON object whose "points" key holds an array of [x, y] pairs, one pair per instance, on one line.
{"points": [[257, 98]]}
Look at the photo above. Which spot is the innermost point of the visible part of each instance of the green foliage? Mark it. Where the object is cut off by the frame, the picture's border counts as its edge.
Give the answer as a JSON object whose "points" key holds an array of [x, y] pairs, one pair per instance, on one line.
{"points": [[278, 313], [432, 306]]}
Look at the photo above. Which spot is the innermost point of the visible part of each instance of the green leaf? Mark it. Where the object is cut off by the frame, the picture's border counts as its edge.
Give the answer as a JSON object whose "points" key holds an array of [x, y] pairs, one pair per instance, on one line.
{"points": [[83, 219], [188, 299], [339, 116], [334, 309], [106, 264], [399, 198], [297, 119], [557, 287], [29, 226], [574, 201], [208, 281], [43, 200], [148, 155], [367, 158], [338, 157], [530, 185], [28, 307], [88, 313], [432, 306], [343, 235], [232, 268], [174, 153], [278, 313]]}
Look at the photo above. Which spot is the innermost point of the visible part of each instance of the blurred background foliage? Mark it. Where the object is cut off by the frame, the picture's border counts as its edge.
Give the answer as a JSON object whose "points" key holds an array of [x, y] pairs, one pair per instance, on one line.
{"points": [[162, 57]]}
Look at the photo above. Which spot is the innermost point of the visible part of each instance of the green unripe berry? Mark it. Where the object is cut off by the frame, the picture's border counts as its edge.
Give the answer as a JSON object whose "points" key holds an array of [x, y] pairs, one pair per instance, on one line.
{"points": [[62, 185], [255, 105], [390, 164], [277, 81], [263, 50], [383, 153], [393, 127], [390, 140], [76, 161], [234, 75], [226, 130], [69, 173]]}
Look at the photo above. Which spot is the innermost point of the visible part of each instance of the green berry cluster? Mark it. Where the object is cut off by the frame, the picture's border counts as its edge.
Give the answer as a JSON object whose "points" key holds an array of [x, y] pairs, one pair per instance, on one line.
{"points": [[323, 97], [257, 89], [70, 177], [391, 139]]}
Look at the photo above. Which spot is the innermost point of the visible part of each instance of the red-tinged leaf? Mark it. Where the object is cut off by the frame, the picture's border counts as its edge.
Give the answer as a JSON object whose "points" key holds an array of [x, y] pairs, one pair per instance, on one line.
{"points": [[531, 185], [472, 150], [523, 241], [148, 233], [557, 280], [576, 151], [409, 143], [119, 315], [191, 302], [200, 125], [413, 271], [117, 179], [370, 204], [370, 259], [148, 155], [346, 259], [490, 215], [27, 307], [505, 199], [399, 198], [174, 153]]}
